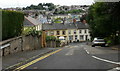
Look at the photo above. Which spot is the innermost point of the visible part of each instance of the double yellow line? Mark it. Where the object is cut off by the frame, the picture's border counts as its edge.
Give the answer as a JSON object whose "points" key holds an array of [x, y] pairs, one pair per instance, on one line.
{"points": [[36, 60]]}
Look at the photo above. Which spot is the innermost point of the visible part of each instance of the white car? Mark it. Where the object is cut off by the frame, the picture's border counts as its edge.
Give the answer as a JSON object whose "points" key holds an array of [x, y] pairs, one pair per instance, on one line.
{"points": [[98, 42]]}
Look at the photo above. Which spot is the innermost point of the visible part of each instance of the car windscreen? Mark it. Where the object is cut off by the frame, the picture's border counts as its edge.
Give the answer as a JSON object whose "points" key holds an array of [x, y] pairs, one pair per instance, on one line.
{"points": [[99, 41]]}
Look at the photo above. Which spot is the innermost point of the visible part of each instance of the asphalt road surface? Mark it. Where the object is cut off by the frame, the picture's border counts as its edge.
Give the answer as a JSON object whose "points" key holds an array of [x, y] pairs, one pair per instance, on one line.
{"points": [[77, 56]]}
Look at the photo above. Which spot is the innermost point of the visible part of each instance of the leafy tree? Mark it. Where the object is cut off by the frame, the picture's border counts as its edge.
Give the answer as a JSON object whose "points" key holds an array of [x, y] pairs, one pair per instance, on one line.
{"points": [[104, 20], [40, 6]]}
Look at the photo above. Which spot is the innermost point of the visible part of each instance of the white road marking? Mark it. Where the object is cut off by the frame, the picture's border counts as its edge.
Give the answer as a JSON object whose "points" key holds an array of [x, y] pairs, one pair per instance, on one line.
{"points": [[70, 52], [75, 46], [106, 60], [115, 69], [118, 68], [87, 52]]}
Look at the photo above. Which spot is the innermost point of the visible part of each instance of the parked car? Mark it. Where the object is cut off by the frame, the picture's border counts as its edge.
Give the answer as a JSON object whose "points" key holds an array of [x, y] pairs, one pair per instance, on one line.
{"points": [[98, 42]]}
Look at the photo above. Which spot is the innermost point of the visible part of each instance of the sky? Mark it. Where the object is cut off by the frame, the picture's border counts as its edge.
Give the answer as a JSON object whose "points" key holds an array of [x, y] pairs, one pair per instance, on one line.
{"points": [[25, 3]]}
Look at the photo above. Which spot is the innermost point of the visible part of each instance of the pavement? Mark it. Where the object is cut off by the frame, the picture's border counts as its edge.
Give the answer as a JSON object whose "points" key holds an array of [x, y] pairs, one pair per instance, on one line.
{"points": [[16, 59], [116, 47]]}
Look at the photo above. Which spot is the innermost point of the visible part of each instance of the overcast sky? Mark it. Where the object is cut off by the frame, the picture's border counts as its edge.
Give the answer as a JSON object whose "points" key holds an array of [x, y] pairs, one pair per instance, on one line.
{"points": [[24, 3]]}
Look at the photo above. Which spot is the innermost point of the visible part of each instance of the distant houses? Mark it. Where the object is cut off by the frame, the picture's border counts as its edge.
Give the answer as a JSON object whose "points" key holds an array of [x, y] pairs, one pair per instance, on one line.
{"points": [[70, 28], [72, 32]]}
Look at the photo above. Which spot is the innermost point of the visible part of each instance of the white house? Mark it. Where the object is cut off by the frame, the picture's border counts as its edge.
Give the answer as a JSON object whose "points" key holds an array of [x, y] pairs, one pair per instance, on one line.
{"points": [[30, 22], [71, 31]]}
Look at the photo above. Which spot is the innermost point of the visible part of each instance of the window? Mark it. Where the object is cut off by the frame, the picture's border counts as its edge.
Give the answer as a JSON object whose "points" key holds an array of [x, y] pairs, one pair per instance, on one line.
{"points": [[81, 37], [65, 37], [80, 31], [85, 31], [63, 32], [71, 37], [75, 37], [58, 33], [86, 37], [52, 33], [69, 32], [74, 31]]}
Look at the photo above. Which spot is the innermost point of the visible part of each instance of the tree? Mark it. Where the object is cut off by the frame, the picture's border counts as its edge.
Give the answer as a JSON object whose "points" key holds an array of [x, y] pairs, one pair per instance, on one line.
{"points": [[104, 19], [40, 6]]}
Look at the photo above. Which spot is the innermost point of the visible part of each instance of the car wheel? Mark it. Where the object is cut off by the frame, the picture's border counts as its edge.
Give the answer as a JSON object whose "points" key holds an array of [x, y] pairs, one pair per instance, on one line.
{"points": [[103, 46], [93, 46]]}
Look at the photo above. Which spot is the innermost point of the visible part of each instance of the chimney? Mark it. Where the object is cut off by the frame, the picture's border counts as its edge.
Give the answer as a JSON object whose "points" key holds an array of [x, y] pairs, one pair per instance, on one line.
{"points": [[63, 21], [74, 21], [84, 21]]}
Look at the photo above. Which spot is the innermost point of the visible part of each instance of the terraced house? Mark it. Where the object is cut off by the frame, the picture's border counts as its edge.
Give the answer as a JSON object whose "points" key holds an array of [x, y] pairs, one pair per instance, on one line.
{"points": [[70, 31]]}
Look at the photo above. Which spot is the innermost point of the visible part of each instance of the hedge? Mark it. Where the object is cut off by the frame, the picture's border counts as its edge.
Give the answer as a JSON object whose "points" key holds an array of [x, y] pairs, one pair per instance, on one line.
{"points": [[12, 24], [50, 38]]}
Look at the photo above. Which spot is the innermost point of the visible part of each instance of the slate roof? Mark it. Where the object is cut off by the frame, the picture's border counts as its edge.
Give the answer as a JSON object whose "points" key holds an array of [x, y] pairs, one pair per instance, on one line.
{"points": [[53, 26], [60, 26], [82, 25], [29, 22], [70, 26]]}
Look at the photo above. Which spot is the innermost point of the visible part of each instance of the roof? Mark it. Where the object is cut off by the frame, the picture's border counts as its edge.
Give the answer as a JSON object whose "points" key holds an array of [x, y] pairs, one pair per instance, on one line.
{"points": [[53, 26], [61, 15], [82, 25], [60, 26], [70, 26], [29, 22]]}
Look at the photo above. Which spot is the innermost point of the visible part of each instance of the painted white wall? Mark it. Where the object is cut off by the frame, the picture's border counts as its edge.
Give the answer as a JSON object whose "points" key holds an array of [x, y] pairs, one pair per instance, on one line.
{"points": [[72, 34], [39, 27], [78, 34]]}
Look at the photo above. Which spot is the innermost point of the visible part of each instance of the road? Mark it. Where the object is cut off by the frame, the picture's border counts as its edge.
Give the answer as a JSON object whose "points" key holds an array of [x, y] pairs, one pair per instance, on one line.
{"points": [[77, 56]]}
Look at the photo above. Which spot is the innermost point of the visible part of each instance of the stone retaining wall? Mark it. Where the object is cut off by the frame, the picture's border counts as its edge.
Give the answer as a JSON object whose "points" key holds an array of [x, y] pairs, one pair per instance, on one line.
{"points": [[21, 43]]}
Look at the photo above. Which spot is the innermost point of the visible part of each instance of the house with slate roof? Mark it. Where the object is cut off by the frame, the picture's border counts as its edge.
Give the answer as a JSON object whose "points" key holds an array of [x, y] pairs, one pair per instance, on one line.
{"points": [[32, 23], [70, 31]]}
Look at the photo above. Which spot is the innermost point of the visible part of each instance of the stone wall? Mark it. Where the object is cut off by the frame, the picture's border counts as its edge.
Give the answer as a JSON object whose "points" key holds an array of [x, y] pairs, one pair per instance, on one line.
{"points": [[22, 43], [52, 44]]}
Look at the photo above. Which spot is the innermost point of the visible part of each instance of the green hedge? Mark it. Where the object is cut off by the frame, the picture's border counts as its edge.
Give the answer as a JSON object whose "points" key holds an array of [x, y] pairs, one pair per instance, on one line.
{"points": [[50, 38], [12, 24]]}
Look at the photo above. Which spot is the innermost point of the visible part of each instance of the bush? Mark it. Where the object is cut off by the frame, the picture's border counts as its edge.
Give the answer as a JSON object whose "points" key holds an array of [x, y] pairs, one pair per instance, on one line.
{"points": [[57, 40], [50, 38], [35, 33], [12, 24], [31, 31], [108, 40]]}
